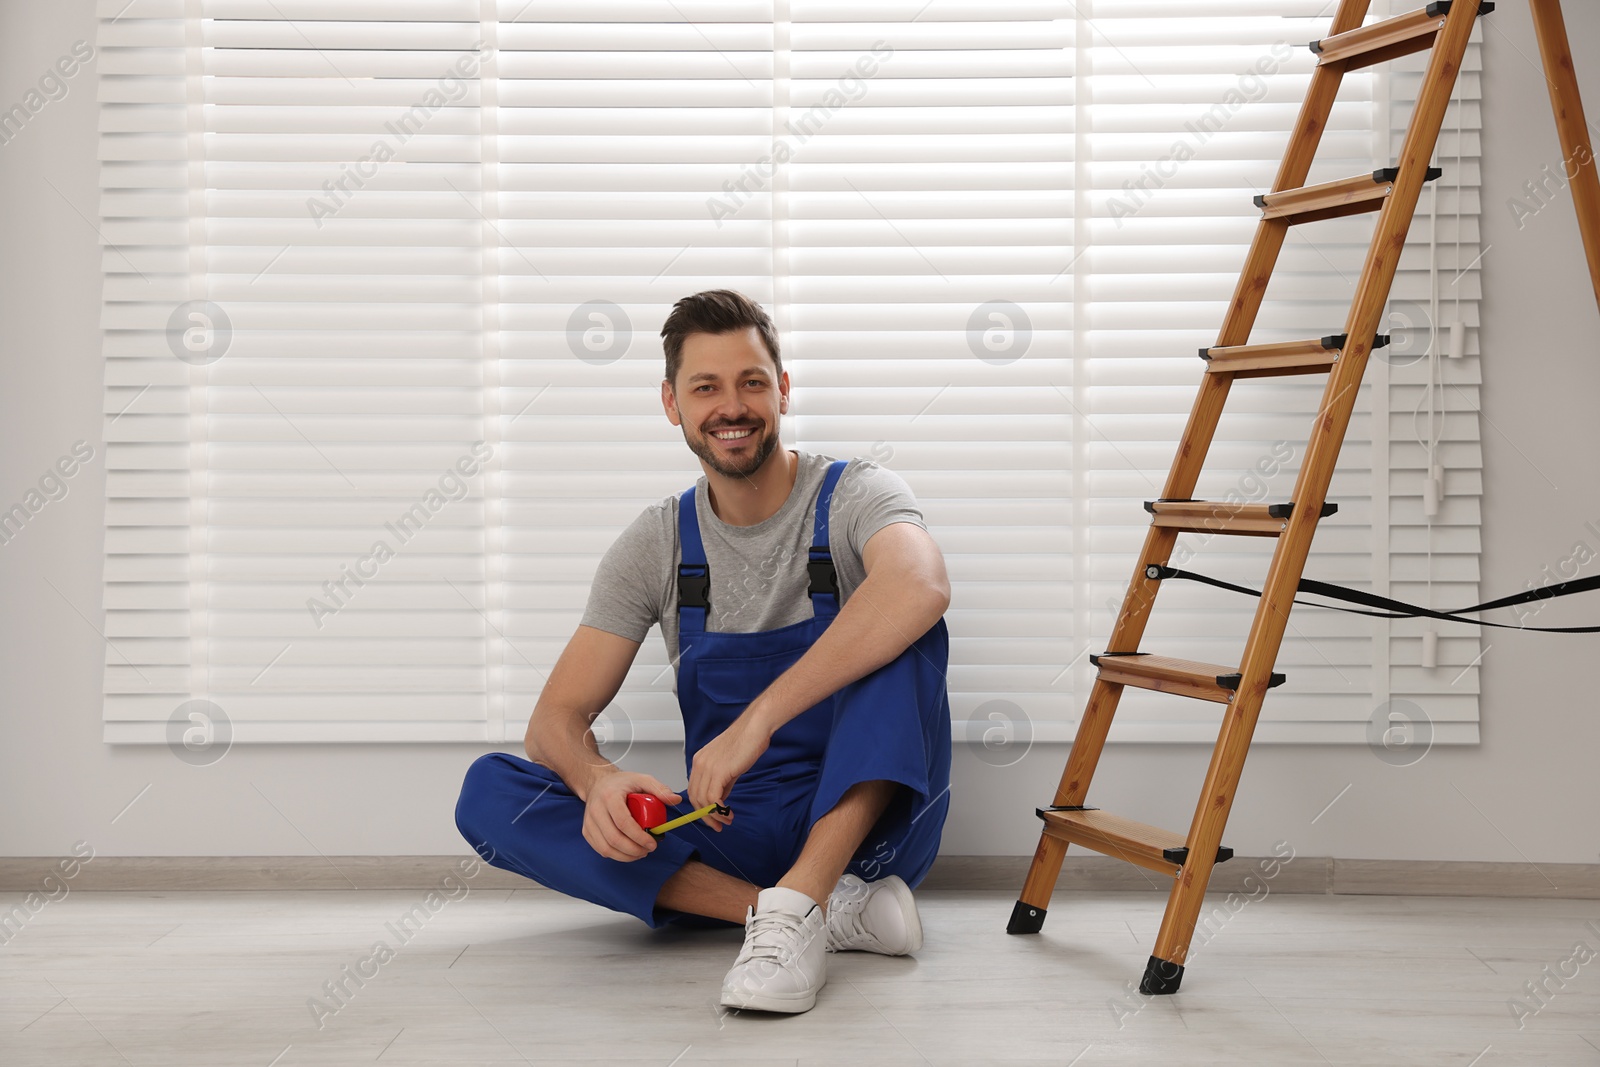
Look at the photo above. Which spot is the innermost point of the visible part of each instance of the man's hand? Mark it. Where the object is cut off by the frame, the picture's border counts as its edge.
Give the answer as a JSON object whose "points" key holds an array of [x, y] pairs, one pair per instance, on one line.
{"points": [[610, 827], [723, 759]]}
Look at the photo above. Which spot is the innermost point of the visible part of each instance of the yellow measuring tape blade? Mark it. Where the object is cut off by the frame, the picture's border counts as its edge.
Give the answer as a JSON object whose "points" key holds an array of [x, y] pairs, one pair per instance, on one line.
{"points": [[691, 817]]}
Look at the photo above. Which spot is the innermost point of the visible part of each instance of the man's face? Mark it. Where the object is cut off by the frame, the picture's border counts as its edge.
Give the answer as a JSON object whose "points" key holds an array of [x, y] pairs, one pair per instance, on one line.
{"points": [[726, 386]]}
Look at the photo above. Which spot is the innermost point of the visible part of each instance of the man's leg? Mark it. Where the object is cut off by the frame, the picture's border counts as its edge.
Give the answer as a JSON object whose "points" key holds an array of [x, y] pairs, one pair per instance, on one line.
{"points": [[834, 839], [703, 890], [774, 972], [700, 889], [520, 816], [894, 726]]}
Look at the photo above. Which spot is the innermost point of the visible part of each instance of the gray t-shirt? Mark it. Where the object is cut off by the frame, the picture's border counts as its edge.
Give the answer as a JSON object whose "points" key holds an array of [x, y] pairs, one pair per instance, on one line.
{"points": [[758, 573]]}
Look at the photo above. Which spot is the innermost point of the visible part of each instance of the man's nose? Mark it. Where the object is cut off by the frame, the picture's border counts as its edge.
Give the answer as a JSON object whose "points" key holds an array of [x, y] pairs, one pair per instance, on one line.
{"points": [[731, 408]]}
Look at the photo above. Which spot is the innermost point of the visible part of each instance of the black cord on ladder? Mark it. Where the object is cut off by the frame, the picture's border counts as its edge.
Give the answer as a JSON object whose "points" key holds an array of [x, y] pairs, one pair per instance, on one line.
{"points": [[1399, 609]]}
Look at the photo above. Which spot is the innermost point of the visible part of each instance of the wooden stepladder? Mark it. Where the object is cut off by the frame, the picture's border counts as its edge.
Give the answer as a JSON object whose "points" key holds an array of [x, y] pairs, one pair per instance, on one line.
{"points": [[1393, 192]]}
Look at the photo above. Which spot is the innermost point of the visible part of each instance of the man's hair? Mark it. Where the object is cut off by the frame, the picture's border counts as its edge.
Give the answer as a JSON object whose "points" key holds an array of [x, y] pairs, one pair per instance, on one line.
{"points": [[714, 311]]}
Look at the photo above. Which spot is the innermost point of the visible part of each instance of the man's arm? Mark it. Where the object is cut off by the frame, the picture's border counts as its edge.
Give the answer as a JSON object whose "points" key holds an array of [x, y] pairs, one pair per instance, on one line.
{"points": [[584, 680], [905, 592]]}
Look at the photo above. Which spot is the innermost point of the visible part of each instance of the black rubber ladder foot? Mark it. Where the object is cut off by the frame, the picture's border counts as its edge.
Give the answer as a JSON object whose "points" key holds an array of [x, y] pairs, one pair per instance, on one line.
{"points": [[1161, 977], [1025, 919]]}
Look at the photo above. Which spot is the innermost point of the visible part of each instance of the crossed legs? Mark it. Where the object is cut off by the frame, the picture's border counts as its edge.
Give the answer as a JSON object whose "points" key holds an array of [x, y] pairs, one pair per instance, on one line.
{"points": [[700, 889]]}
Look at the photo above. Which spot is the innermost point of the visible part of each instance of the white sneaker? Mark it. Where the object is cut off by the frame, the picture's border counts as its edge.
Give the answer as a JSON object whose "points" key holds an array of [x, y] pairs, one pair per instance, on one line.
{"points": [[876, 916], [784, 961]]}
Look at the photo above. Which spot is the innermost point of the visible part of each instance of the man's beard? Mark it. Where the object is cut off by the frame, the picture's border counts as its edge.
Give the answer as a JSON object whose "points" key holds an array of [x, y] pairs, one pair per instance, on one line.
{"points": [[732, 466]]}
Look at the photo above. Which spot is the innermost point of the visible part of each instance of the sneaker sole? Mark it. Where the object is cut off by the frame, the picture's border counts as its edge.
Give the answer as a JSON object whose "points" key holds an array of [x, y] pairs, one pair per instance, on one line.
{"points": [[790, 1003]]}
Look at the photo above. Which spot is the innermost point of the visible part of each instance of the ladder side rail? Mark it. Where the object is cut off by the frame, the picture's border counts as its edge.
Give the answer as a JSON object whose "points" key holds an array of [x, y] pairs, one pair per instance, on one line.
{"points": [[1577, 150]]}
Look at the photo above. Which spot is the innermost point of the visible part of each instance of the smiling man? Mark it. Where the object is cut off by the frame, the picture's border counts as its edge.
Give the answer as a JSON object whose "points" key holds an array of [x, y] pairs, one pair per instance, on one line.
{"points": [[801, 600]]}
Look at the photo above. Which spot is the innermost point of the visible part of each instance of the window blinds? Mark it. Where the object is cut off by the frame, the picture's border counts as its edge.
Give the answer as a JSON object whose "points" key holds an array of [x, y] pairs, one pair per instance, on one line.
{"points": [[1156, 283], [383, 284]]}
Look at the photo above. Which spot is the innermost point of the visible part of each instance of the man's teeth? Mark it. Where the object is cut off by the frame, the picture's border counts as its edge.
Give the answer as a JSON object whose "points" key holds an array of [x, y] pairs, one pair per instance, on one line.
{"points": [[731, 435]]}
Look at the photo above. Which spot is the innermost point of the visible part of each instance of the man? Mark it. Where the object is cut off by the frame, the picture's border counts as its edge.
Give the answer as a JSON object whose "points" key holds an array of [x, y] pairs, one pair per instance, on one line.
{"points": [[802, 600]]}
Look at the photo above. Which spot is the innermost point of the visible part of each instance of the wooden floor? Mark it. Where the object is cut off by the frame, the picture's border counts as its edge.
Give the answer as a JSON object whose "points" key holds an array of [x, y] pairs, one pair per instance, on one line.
{"points": [[526, 976]]}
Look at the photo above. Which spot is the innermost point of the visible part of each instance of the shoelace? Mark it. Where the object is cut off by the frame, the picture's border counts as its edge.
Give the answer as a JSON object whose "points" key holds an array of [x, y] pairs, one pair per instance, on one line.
{"points": [[774, 936], [844, 919], [848, 929]]}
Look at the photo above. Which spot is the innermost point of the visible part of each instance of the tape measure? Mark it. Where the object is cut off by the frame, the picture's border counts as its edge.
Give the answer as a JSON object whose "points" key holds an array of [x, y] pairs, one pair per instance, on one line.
{"points": [[650, 813]]}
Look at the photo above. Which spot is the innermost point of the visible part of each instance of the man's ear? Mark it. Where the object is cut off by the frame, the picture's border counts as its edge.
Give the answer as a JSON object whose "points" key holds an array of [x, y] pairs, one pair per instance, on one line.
{"points": [[669, 403]]}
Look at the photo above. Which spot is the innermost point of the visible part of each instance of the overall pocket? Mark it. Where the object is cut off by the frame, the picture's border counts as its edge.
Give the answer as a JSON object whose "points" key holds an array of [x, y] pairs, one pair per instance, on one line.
{"points": [[727, 685]]}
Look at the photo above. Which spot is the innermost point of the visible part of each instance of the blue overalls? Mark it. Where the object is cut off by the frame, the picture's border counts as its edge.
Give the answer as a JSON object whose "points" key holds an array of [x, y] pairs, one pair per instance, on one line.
{"points": [[892, 724]]}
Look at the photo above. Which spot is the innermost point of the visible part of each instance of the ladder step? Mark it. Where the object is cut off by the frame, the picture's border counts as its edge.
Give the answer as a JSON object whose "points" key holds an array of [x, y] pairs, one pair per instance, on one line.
{"points": [[1285, 357], [1163, 674], [1218, 516], [1399, 36], [1332, 200], [1148, 846]]}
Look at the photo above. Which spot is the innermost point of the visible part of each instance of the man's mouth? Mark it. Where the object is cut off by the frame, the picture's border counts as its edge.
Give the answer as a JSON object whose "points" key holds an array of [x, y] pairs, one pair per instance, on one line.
{"points": [[733, 435]]}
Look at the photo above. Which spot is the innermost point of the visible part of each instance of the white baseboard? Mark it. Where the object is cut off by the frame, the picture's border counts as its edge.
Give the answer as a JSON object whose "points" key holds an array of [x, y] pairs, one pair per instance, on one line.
{"points": [[1302, 874]]}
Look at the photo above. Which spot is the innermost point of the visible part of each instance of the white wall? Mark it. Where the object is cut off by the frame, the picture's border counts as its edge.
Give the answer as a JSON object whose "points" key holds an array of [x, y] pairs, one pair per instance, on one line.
{"points": [[1528, 792]]}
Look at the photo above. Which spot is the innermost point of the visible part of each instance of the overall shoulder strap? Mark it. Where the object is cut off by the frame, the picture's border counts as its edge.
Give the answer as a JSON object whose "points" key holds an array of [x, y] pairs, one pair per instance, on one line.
{"points": [[694, 577], [824, 578]]}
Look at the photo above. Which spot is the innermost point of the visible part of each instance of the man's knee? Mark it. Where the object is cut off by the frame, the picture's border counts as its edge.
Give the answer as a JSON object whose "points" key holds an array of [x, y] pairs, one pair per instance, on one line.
{"points": [[486, 773], [486, 782]]}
